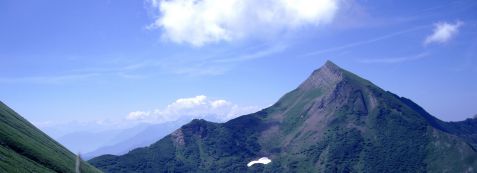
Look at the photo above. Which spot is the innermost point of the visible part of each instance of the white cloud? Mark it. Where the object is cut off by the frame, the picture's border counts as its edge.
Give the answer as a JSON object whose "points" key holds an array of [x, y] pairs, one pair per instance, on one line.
{"points": [[179, 111], [443, 32], [138, 115], [194, 107], [219, 103], [199, 22]]}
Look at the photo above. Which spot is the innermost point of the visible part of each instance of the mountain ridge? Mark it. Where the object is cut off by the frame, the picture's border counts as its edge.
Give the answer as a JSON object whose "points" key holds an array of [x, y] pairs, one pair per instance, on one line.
{"points": [[334, 121]]}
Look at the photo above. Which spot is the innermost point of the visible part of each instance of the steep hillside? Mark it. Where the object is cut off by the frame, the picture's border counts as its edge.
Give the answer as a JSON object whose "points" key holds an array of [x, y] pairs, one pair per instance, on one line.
{"points": [[24, 148], [334, 121]]}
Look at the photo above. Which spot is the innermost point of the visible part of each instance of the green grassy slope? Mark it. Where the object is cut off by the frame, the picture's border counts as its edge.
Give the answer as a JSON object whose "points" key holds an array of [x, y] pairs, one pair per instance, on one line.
{"points": [[335, 121], [24, 148]]}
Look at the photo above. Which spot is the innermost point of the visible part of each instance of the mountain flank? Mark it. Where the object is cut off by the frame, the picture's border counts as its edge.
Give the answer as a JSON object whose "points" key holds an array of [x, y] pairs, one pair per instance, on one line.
{"points": [[335, 121], [24, 148]]}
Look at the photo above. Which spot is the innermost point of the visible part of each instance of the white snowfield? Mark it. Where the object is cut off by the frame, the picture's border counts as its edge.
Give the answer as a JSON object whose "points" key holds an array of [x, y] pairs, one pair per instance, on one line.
{"points": [[263, 160]]}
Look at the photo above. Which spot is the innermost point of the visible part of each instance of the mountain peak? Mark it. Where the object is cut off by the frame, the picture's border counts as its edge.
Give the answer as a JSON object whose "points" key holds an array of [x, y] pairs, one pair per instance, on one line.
{"points": [[325, 77], [335, 121], [329, 64]]}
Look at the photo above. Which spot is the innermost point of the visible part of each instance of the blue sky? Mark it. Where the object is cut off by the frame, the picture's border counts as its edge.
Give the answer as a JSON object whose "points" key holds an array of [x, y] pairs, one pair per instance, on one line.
{"points": [[133, 60]]}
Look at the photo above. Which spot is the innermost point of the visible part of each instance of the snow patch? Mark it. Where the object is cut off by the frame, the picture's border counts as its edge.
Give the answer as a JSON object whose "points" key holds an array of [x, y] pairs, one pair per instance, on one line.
{"points": [[263, 160]]}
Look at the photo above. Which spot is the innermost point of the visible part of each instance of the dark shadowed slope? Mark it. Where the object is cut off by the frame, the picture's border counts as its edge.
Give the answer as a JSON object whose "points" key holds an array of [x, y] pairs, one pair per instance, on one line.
{"points": [[24, 148], [334, 121]]}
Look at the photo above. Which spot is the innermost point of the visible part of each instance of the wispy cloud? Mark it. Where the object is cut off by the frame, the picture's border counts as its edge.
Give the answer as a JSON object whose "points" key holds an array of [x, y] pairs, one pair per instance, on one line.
{"points": [[395, 59], [185, 64], [217, 65], [128, 71], [58, 79], [196, 70], [199, 22], [364, 42], [443, 32], [255, 55], [105, 71]]}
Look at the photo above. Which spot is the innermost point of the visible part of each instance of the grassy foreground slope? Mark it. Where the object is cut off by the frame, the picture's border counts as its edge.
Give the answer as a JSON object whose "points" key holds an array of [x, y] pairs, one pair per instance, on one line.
{"points": [[24, 148]]}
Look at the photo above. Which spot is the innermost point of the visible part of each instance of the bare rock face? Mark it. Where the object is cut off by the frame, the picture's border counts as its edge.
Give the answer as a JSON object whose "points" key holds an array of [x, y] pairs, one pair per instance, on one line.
{"points": [[178, 137], [325, 77]]}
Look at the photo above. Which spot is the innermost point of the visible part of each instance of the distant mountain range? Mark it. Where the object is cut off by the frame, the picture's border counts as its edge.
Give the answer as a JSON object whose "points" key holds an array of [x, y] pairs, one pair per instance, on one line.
{"points": [[148, 134], [334, 121], [92, 141], [24, 148], [83, 141], [121, 141]]}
